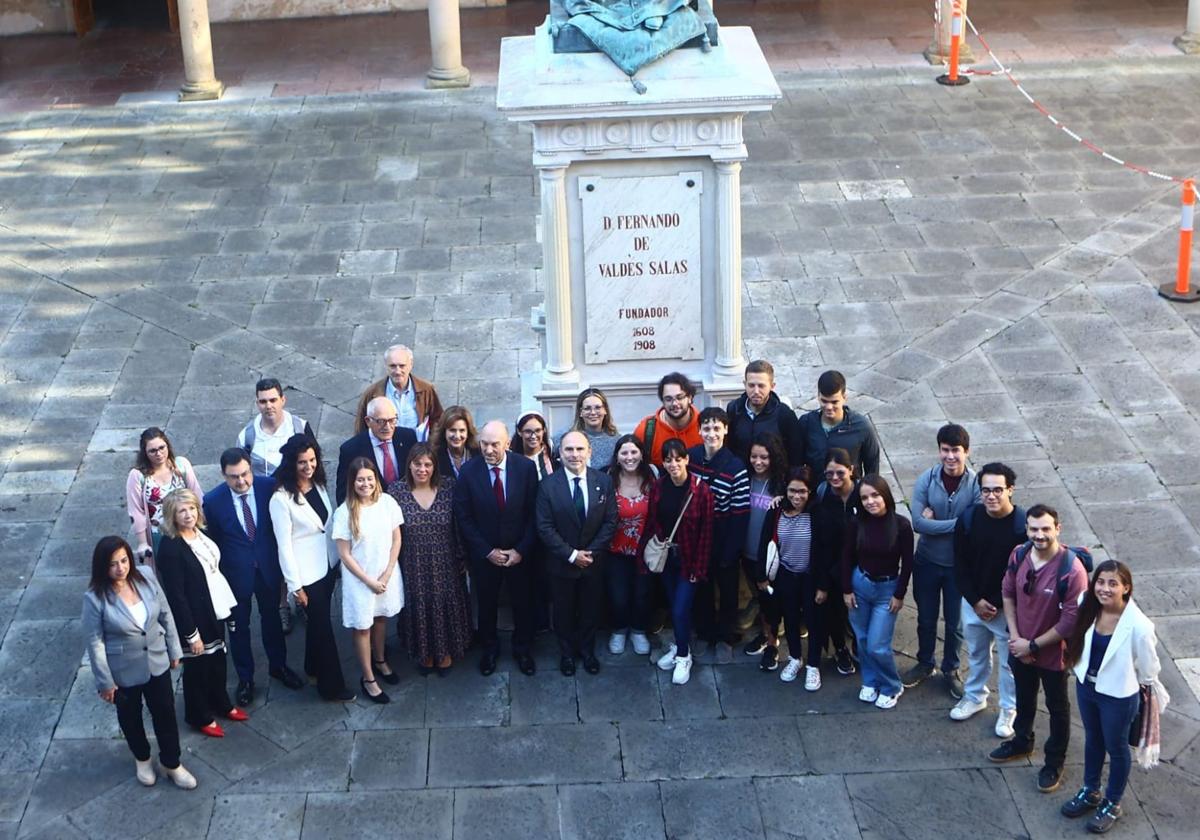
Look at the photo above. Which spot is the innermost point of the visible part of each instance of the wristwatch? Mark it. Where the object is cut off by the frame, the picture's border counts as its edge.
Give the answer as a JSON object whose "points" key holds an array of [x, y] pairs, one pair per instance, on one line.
{"points": [[1033, 646]]}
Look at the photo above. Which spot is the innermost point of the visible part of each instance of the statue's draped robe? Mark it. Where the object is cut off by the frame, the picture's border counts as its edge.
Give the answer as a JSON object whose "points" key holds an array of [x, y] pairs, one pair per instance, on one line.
{"points": [[634, 33]]}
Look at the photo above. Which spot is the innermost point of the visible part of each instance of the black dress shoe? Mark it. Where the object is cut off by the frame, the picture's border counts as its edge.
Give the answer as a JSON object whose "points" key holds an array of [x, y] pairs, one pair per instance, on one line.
{"points": [[288, 677], [567, 666], [380, 698], [244, 695], [343, 696], [526, 664], [487, 664], [591, 664], [391, 679]]}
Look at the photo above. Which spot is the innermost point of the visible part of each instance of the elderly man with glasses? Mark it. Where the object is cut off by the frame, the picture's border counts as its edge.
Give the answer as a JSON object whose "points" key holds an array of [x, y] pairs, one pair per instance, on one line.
{"points": [[383, 442]]}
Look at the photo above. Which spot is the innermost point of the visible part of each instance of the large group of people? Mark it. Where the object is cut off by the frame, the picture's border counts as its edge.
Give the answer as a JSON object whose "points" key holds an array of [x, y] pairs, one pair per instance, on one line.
{"points": [[681, 522]]}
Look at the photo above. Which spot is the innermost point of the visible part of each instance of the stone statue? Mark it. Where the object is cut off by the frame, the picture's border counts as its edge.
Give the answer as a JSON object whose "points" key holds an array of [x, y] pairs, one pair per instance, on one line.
{"points": [[633, 33]]}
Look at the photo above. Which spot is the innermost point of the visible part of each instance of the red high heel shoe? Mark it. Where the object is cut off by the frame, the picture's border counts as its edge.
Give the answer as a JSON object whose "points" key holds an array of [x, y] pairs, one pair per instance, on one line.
{"points": [[213, 730], [237, 714]]}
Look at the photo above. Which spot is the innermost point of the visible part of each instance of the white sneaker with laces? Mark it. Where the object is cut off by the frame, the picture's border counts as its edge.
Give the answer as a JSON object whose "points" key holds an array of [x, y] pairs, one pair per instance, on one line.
{"points": [[887, 701], [683, 670], [812, 678], [791, 670], [868, 694], [667, 660], [641, 645], [1004, 723], [966, 708], [616, 644]]}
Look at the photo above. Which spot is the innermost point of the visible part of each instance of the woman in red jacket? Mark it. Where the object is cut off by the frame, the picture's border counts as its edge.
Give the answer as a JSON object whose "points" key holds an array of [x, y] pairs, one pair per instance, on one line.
{"points": [[680, 496]]}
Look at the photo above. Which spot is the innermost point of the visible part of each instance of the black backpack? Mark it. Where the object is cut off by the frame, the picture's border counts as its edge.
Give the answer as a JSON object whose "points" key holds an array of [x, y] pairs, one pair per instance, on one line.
{"points": [[1064, 566]]}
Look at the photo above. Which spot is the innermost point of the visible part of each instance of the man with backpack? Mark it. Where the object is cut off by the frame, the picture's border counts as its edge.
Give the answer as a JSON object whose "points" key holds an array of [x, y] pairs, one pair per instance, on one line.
{"points": [[984, 539], [1041, 592]]}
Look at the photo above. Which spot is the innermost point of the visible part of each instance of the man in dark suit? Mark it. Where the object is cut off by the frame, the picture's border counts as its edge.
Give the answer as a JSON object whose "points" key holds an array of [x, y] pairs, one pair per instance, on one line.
{"points": [[382, 443], [239, 522], [494, 501], [576, 518]]}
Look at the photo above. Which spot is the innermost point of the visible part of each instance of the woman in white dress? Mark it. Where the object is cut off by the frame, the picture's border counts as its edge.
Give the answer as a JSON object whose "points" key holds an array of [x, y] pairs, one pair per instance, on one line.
{"points": [[366, 530]]}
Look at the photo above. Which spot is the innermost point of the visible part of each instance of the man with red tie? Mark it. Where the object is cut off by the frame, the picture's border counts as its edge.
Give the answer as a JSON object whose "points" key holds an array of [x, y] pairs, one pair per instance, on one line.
{"points": [[494, 501], [382, 442]]}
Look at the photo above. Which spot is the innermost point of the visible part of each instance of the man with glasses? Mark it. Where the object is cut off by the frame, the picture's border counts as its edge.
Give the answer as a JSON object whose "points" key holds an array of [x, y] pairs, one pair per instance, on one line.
{"points": [[677, 419], [984, 539], [382, 442], [416, 400], [1041, 614]]}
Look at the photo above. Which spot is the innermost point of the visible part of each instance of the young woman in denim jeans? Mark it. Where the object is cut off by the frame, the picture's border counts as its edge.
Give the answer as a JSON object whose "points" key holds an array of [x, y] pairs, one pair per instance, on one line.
{"points": [[877, 560]]}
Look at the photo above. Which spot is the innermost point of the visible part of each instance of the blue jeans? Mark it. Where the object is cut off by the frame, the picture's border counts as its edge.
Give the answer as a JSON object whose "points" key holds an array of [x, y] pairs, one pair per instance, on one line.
{"points": [[628, 593], [934, 586], [1106, 721], [980, 636], [680, 594], [874, 625]]}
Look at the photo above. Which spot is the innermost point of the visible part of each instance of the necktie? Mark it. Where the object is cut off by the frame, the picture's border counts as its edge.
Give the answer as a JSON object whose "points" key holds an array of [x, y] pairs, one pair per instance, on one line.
{"points": [[577, 496], [389, 466], [248, 517], [498, 488]]}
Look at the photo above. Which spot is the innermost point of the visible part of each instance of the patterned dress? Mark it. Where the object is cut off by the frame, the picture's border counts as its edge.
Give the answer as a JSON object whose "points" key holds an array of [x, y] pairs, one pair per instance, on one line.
{"points": [[435, 619]]}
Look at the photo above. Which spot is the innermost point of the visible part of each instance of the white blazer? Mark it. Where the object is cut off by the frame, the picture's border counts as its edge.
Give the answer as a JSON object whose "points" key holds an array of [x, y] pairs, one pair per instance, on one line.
{"points": [[1131, 659], [304, 550]]}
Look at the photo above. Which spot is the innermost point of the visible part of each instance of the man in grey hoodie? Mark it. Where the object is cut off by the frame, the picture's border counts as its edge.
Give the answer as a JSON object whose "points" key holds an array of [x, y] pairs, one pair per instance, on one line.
{"points": [[941, 494]]}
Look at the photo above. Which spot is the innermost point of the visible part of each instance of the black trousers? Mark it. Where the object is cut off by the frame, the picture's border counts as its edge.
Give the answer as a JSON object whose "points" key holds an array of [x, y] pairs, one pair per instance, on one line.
{"points": [[159, 695], [577, 603], [795, 593], [320, 650], [487, 578], [768, 604], [629, 593], [204, 693], [1058, 704], [718, 623], [835, 618]]}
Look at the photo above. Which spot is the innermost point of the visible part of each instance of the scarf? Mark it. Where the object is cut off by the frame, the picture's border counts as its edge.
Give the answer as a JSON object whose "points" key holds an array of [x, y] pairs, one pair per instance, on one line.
{"points": [[206, 551], [1147, 736]]}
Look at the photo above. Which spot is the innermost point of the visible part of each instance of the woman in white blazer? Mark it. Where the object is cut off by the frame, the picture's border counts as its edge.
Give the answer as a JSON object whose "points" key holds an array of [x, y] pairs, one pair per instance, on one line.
{"points": [[132, 645], [1112, 651], [300, 512]]}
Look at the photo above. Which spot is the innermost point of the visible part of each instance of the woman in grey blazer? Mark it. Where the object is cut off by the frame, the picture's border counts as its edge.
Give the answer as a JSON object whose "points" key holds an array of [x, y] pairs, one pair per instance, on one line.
{"points": [[132, 645]]}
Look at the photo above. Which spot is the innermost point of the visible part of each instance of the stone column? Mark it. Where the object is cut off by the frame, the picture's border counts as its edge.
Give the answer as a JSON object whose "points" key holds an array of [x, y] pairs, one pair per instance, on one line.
{"points": [[560, 371], [1189, 41], [200, 78], [938, 51], [729, 362], [445, 45]]}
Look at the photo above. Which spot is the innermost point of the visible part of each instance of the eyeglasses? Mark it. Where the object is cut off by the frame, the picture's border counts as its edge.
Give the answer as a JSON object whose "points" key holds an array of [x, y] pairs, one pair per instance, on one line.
{"points": [[674, 400], [1030, 577], [836, 473], [532, 432], [591, 409], [383, 421], [992, 491], [155, 450]]}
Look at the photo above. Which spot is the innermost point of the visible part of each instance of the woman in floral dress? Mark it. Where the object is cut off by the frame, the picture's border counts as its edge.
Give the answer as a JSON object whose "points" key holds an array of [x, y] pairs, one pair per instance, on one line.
{"points": [[436, 623], [156, 472]]}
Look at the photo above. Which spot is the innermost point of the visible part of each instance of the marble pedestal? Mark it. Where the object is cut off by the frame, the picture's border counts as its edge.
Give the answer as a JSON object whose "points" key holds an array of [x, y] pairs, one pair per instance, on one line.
{"points": [[640, 216]]}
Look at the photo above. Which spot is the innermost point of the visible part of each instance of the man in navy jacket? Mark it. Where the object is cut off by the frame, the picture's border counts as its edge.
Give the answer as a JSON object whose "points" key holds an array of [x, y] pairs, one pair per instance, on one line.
{"points": [[494, 505], [238, 515]]}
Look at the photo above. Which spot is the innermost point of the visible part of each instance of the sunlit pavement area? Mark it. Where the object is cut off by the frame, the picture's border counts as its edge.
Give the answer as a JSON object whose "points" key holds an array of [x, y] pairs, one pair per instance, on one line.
{"points": [[952, 252]]}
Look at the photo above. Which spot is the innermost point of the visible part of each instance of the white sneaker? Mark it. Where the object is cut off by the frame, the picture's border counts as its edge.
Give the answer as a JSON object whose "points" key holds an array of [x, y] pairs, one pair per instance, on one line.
{"points": [[791, 670], [616, 644], [887, 701], [667, 660], [868, 694], [641, 645], [966, 708], [181, 777], [812, 678], [1004, 723], [683, 670], [145, 772]]}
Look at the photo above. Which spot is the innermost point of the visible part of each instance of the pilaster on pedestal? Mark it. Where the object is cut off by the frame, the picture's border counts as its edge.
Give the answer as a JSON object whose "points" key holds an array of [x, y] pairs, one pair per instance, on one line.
{"points": [[729, 361], [559, 371]]}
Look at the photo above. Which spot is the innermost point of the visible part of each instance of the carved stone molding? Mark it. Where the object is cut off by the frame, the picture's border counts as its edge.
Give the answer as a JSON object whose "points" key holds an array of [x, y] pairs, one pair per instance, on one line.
{"points": [[718, 136]]}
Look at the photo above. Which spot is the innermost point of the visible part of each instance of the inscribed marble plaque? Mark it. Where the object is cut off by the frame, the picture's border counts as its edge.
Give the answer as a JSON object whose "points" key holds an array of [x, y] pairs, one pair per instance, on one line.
{"points": [[641, 253]]}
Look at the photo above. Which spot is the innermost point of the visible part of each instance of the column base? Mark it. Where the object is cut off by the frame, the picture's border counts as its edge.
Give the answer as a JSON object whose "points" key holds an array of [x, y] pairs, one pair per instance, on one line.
{"points": [[437, 79], [201, 91], [934, 55], [1188, 43]]}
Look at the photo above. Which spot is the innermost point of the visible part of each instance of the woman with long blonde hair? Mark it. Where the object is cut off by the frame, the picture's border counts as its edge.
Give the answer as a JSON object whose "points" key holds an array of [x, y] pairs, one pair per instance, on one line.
{"points": [[366, 531]]}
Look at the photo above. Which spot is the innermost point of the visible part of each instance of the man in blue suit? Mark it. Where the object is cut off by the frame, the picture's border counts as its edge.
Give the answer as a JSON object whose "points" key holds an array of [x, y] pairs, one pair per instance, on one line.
{"points": [[494, 501], [239, 522]]}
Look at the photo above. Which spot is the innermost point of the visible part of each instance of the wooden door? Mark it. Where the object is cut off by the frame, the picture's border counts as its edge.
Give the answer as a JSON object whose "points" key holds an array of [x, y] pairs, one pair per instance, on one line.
{"points": [[85, 16]]}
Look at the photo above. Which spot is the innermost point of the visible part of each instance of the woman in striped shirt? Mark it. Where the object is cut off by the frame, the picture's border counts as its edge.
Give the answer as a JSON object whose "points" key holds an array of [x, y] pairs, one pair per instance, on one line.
{"points": [[799, 585]]}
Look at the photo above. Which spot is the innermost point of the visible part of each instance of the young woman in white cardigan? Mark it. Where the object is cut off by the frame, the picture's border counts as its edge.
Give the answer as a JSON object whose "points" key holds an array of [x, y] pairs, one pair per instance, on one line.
{"points": [[1112, 650], [300, 512]]}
